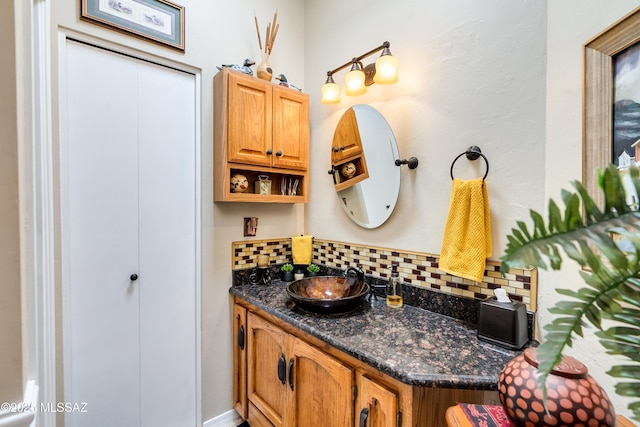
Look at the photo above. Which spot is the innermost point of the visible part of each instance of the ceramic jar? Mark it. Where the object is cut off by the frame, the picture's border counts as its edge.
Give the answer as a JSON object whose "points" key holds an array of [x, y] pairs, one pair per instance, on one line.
{"points": [[573, 396], [264, 71]]}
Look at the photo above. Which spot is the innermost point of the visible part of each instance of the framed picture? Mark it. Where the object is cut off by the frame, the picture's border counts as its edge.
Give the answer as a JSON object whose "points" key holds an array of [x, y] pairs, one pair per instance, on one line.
{"points": [[158, 21], [611, 110]]}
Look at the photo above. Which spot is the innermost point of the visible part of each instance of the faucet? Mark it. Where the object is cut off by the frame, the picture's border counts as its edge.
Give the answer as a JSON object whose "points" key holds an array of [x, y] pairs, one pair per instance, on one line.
{"points": [[357, 271]]}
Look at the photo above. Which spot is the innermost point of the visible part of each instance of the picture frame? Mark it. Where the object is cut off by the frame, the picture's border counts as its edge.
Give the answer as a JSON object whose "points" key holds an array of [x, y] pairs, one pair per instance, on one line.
{"points": [[158, 21], [598, 97]]}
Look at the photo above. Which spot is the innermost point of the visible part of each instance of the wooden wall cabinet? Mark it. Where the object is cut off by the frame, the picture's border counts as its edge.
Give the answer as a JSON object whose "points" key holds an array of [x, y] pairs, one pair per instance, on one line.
{"points": [[293, 379], [347, 148], [260, 129]]}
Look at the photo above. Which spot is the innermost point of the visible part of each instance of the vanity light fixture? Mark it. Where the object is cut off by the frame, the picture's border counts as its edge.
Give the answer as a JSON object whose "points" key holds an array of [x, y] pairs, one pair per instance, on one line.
{"points": [[384, 71]]}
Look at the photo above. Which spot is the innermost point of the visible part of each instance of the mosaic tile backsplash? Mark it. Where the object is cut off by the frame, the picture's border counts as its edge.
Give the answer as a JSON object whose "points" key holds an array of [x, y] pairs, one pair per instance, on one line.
{"points": [[416, 268]]}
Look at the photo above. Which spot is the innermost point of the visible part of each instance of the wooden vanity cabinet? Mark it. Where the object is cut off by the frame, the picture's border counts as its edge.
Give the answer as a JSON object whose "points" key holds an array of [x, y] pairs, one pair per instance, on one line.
{"points": [[377, 405], [295, 380], [291, 383], [321, 387], [240, 360], [259, 129]]}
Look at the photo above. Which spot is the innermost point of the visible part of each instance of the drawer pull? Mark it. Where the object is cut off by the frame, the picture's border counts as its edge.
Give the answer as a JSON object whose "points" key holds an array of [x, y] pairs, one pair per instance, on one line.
{"points": [[282, 366], [364, 414], [291, 373], [241, 337]]}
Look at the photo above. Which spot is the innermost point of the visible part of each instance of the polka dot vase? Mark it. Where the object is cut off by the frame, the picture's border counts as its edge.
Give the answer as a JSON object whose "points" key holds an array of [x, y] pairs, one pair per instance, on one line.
{"points": [[573, 396]]}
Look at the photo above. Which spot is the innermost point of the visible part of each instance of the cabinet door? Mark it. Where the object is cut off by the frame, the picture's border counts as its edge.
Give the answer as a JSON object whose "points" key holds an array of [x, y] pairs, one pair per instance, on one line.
{"points": [[249, 120], [346, 139], [377, 405], [128, 239], [266, 368], [290, 129], [320, 388], [240, 360], [101, 305]]}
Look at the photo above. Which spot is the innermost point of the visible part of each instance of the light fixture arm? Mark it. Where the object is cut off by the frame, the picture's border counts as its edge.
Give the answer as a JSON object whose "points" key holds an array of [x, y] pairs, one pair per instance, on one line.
{"points": [[386, 44]]}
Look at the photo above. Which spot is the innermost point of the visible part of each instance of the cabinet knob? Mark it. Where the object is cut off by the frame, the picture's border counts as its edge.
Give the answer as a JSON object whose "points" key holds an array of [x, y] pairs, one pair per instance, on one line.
{"points": [[336, 149], [269, 151], [133, 277], [342, 148], [278, 153]]}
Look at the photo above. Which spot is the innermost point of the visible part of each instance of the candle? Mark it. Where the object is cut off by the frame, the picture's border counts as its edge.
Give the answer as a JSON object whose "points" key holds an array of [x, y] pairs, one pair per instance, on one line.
{"points": [[263, 260]]}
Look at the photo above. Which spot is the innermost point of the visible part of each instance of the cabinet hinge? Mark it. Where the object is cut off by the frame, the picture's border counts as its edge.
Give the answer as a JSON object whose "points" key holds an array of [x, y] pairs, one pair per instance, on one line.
{"points": [[354, 392], [399, 419]]}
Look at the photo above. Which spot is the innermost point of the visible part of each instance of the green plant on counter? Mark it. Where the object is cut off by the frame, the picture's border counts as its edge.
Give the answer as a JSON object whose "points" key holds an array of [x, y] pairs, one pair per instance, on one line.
{"points": [[606, 244], [313, 268], [287, 267]]}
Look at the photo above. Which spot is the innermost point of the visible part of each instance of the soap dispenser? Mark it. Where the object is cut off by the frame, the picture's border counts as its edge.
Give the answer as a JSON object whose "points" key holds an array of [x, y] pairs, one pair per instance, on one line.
{"points": [[394, 288]]}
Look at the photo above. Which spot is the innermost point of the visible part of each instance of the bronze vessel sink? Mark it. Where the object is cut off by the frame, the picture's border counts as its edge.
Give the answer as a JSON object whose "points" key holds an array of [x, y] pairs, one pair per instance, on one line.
{"points": [[327, 293]]}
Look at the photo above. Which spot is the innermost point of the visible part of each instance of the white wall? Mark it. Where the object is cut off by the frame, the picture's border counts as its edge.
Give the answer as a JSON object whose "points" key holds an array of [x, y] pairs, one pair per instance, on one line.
{"points": [[470, 73], [571, 23], [10, 333]]}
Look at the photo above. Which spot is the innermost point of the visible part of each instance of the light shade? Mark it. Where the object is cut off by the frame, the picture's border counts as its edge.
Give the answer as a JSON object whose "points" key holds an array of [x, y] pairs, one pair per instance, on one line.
{"points": [[355, 81], [330, 92], [386, 69]]}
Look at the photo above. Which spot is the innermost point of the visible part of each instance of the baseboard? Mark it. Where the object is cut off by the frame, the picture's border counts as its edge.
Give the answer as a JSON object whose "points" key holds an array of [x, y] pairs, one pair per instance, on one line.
{"points": [[227, 419]]}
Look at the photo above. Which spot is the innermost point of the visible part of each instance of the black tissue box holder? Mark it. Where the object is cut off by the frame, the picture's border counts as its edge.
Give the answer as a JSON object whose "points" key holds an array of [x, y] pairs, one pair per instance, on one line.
{"points": [[503, 323]]}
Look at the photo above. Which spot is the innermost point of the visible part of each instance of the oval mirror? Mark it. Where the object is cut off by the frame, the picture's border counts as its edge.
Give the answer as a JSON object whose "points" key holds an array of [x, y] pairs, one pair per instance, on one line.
{"points": [[363, 155]]}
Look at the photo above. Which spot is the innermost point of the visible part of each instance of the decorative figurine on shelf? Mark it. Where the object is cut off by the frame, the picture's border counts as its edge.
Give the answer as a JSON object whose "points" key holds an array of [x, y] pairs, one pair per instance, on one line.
{"points": [[348, 170], [239, 183], [244, 68], [285, 83], [263, 69]]}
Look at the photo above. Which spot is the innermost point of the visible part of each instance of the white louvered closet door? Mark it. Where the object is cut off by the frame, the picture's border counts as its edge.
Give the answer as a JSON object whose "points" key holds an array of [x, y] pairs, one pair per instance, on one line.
{"points": [[128, 191]]}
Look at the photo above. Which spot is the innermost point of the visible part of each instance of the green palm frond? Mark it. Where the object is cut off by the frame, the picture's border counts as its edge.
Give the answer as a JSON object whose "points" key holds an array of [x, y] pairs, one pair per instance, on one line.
{"points": [[606, 244]]}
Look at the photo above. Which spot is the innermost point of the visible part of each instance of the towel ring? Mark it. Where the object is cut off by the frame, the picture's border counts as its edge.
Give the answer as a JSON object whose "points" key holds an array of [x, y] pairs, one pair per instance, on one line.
{"points": [[473, 153]]}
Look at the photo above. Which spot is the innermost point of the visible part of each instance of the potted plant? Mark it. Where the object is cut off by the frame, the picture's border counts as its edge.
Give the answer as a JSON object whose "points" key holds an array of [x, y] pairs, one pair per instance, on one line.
{"points": [[605, 243], [287, 272], [313, 270]]}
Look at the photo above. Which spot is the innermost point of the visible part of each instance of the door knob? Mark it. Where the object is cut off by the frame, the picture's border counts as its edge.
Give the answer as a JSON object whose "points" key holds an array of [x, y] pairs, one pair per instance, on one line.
{"points": [[133, 277]]}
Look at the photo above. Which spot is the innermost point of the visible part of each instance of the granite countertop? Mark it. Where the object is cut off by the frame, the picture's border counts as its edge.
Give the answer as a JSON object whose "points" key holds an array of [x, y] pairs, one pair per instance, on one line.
{"points": [[410, 344]]}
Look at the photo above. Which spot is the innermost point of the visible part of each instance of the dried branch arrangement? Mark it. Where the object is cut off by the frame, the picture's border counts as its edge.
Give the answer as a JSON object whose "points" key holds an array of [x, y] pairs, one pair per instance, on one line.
{"points": [[270, 38]]}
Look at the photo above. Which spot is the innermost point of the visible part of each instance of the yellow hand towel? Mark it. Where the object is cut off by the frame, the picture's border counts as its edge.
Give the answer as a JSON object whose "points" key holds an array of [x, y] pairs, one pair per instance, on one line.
{"points": [[302, 249], [467, 234]]}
